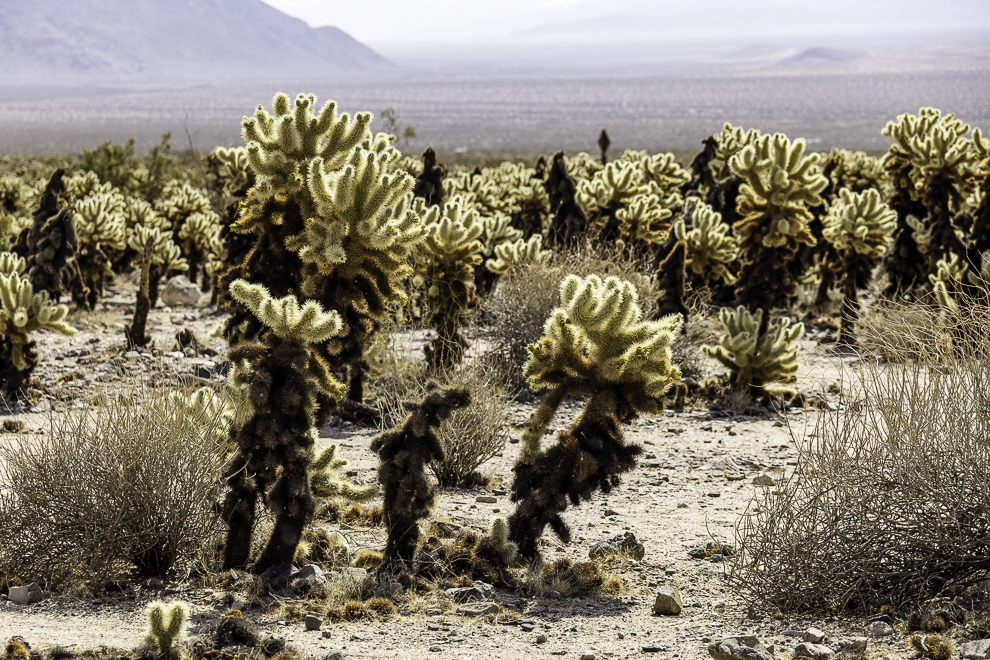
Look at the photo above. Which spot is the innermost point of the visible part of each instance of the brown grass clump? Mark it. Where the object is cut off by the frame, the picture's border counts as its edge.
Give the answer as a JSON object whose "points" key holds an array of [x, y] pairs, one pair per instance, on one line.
{"points": [[373, 609], [16, 650], [353, 514], [468, 558], [575, 579], [932, 646], [234, 629], [321, 548], [367, 558]]}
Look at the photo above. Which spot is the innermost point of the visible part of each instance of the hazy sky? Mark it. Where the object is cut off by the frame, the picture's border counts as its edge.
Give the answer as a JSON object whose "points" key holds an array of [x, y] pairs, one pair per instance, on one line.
{"points": [[422, 21]]}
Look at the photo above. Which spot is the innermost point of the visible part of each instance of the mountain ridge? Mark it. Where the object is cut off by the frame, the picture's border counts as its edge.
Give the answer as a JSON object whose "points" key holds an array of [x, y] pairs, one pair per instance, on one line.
{"points": [[169, 39]]}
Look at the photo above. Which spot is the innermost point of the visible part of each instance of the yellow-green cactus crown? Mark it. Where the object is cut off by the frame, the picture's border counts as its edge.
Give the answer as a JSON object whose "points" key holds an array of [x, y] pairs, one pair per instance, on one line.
{"points": [[933, 143], [860, 222], [12, 263], [780, 182], [518, 252], [235, 171], [99, 220], [597, 333], [644, 220], [23, 311], [756, 359], [709, 245], [306, 324], [326, 482]]}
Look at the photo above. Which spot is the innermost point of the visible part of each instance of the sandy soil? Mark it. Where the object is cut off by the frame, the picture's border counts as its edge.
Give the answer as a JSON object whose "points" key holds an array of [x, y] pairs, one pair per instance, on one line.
{"points": [[691, 486]]}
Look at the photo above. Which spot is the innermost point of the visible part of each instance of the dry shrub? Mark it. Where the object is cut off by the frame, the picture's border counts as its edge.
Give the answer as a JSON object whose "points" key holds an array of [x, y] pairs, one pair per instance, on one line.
{"points": [[373, 609], [889, 502], [472, 435], [468, 558], [129, 481]]}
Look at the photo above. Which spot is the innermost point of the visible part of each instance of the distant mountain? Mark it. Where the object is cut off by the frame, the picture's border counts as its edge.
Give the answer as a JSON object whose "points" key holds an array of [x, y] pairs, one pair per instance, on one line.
{"points": [[49, 40]]}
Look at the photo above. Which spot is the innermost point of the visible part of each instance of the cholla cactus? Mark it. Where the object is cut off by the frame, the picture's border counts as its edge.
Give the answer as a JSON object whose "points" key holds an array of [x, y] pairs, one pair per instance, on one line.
{"points": [[758, 359], [101, 230], [85, 184], [940, 158], [779, 184], [166, 626], [977, 278], [860, 227], [429, 179], [166, 256], [12, 194], [139, 212], [54, 251], [594, 344], [404, 452], [710, 247], [275, 445], [644, 221], [179, 201], [569, 219], [610, 190], [499, 532], [858, 172], [22, 311], [521, 251], [445, 267], [236, 175], [334, 222], [198, 230], [12, 263]]}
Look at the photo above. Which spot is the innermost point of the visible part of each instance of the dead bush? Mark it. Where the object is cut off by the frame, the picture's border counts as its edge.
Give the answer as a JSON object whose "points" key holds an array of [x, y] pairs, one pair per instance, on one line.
{"points": [[472, 435], [129, 481], [889, 503]]}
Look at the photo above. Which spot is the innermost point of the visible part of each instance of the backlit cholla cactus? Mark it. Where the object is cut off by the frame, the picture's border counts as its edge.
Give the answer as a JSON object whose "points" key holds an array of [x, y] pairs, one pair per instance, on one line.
{"points": [[595, 344], [101, 230], [22, 311], [275, 446], [979, 201], [761, 362], [166, 626], [937, 157], [334, 221], [521, 251], [608, 191], [237, 177], [12, 263], [643, 222], [860, 227], [179, 201], [710, 247], [858, 172], [166, 255], [445, 264], [196, 234], [780, 183]]}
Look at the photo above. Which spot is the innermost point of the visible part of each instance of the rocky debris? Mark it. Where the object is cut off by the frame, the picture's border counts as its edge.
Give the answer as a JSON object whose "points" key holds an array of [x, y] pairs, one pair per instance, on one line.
{"points": [[541, 639], [763, 480], [697, 553], [356, 574], [486, 499], [313, 622], [746, 647], [850, 649], [814, 651], [279, 575], [478, 609], [588, 655], [480, 591], [668, 601], [975, 650], [180, 291], [813, 635], [25, 595], [309, 575], [879, 629], [625, 544]]}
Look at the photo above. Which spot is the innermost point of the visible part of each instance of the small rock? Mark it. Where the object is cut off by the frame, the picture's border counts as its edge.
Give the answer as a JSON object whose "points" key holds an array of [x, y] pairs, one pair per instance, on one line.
{"points": [[238, 605], [527, 627], [180, 291], [486, 499], [813, 635], [976, 650], [668, 601], [588, 655], [154, 583], [682, 505], [879, 629], [611, 512], [655, 648], [478, 609], [433, 626], [622, 544], [310, 574], [435, 649], [748, 647], [131, 355], [541, 639], [333, 655], [313, 622], [357, 574], [24, 595], [814, 651], [697, 553], [763, 480]]}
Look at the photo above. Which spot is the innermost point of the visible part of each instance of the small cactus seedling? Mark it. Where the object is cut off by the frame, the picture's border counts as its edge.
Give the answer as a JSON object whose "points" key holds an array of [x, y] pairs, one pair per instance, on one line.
{"points": [[758, 358], [404, 451], [595, 344], [859, 226], [166, 626], [499, 532]]}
